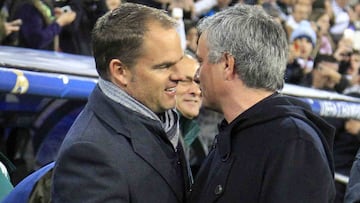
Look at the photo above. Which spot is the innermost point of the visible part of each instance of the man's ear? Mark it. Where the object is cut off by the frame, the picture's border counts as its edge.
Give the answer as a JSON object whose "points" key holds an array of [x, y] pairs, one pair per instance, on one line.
{"points": [[119, 72], [229, 70]]}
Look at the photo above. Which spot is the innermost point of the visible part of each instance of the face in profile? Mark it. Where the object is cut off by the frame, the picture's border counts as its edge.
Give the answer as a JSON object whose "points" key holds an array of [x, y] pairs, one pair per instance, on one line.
{"points": [[188, 93], [154, 78], [209, 75]]}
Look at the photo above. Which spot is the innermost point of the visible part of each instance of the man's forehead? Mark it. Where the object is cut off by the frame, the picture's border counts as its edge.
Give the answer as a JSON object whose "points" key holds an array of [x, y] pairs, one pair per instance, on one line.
{"points": [[202, 46], [330, 64]]}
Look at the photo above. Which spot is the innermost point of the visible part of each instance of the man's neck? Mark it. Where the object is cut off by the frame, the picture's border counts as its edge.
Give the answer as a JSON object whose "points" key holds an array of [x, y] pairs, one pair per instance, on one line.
{"points": [[242, 100]]}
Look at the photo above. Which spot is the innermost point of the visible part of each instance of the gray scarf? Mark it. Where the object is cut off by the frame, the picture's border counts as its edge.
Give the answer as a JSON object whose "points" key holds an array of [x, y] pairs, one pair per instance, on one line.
{"points": [[169, 121]]}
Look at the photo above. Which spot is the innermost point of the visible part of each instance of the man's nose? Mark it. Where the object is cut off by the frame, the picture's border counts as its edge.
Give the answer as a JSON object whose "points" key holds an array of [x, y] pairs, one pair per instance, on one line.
{"points": [[195, 89], [176, 74]]}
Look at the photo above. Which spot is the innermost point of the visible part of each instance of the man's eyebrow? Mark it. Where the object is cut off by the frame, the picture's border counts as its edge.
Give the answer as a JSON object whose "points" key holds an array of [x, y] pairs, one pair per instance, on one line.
{"points": [[164, 64]]}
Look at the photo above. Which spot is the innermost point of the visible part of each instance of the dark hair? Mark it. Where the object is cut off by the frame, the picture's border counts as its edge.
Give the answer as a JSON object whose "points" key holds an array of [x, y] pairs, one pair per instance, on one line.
{"points": [[316, 14], [119, 34], [324, 57]]}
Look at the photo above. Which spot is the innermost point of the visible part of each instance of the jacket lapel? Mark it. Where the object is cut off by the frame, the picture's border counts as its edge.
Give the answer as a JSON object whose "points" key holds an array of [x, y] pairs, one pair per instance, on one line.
{"points": [[151, 152], [153, 148]]}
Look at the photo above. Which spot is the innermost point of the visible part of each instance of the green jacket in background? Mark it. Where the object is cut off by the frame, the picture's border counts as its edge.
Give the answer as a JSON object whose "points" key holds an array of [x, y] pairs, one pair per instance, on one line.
{"points": [[5, 184]]}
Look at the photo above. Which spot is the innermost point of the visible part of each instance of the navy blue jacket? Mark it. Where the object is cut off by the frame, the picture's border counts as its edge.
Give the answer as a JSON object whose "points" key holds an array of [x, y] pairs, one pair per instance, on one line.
{"points": [[113, 154], [276, 151]]}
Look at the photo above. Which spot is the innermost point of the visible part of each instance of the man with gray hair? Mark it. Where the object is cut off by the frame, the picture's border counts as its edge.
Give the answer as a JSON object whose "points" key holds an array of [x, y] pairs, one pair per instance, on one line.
{"points": [[270, 147]]}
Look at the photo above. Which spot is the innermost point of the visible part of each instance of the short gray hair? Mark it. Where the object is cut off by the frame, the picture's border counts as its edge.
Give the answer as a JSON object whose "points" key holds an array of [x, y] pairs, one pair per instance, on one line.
{"points": [[256, 41]]}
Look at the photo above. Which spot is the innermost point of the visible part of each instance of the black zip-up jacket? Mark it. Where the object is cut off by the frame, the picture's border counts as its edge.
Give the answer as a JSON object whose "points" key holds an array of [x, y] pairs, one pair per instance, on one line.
{"points": [[276, 151]]}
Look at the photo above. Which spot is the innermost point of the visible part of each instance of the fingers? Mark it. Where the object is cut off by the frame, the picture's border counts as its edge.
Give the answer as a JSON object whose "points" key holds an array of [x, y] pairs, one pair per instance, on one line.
{"points": [[16, 22], [12, 26]]}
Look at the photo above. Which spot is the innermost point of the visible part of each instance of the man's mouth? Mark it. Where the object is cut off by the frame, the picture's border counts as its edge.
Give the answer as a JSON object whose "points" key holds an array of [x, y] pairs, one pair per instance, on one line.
{"points": [[171, 90], [192, 100]]}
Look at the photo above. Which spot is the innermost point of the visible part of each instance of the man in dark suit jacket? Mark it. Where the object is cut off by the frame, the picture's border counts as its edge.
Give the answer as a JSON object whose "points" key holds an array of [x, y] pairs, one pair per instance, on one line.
{"points": [[124, 146]]}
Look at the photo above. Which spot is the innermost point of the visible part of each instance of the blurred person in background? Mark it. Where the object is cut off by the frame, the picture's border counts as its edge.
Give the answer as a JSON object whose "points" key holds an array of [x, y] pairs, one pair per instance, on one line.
{"points": [[6, 167], [308, 3], [352, 193], [326, 75], [351, 69], [41, 23], [354, 14], [346, 145], [272, 8], [124, 146], [344, 49], [187, 7], [301, 12], [75, 37], [270, 148], [285, 6], [180, 10], [112, 4], [188, 103], [203, 6], [7, 27], [321, 23], [349, 62], [341, 18], [34, 188], [354, 78], [192, 37], [5, 183], [220, 5], [300, 63], [207, 119]]}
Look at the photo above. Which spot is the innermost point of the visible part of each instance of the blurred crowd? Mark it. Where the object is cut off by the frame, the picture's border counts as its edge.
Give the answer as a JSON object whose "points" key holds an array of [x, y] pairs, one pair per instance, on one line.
{"points": [[324, 35], [324, 39]]}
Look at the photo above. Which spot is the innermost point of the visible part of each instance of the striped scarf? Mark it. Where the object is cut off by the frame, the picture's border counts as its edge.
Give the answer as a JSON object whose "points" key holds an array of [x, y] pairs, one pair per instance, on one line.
{"points": [[169, 120]]}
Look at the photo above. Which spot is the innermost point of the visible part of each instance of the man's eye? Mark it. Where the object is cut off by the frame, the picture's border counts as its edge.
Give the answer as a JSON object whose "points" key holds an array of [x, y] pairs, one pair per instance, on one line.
{"points": [[186, 82], [164, 66]]}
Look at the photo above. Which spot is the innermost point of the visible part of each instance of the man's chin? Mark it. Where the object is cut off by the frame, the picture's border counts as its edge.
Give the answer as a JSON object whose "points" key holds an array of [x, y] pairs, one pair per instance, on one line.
{"points": [[169, 106], [209, 106], [206, 104]]}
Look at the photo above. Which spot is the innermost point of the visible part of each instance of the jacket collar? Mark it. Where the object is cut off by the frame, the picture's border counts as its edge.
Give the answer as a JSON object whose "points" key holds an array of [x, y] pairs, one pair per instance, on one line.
{"points": [[132, 125], [268, 109]]}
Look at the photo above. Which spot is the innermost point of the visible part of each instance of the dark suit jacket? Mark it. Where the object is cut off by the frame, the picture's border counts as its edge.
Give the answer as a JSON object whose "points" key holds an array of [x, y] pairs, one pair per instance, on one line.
{"points": [[113, 154]]}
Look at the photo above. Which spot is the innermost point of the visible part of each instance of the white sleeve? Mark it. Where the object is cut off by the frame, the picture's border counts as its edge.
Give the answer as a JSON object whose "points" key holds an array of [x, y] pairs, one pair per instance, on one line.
{"points": [[181, 30], [203, 6]]}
